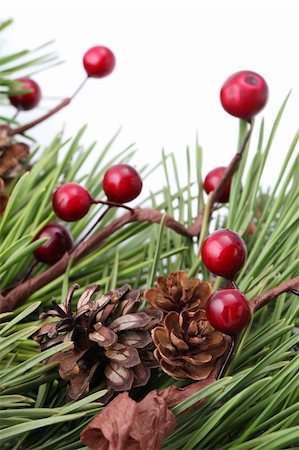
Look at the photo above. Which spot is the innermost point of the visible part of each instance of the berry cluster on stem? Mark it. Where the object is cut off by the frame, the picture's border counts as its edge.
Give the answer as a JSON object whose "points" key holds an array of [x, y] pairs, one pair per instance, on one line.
{"points": [[98, 62]]}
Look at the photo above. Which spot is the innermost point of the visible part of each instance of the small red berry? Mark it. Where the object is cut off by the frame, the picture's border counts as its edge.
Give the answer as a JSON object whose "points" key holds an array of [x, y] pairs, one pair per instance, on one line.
{"points": [[224, 253], [228, 311], [71, 202], [122, 183], [59, 242], [99, 61], [213, 179], [244, 94], [28, 100]]}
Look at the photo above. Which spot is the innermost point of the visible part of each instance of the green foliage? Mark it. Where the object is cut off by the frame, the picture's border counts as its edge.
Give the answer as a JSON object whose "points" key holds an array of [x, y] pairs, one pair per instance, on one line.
{"points": [[256, 405], [28, 61]]}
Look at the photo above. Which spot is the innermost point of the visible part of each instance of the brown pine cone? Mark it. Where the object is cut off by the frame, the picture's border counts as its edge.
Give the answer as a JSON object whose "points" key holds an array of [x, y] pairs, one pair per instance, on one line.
{"points": [[111, 340], [187, 346], [178, 293]]}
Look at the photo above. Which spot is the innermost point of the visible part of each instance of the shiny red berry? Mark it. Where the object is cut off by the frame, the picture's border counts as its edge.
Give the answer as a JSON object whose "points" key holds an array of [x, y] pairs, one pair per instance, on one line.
{"points": [[228, 311], [99, 61], [71, 202], [224, 253], [244, 94], [28, 100], [122, 183], [213, 179], [59, 242]]}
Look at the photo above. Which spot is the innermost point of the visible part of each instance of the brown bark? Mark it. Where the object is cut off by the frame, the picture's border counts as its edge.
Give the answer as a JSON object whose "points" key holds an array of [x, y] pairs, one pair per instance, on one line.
{"points": [[267, 297]]}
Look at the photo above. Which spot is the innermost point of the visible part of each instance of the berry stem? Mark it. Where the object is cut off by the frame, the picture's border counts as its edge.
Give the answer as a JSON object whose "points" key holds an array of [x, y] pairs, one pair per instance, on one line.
{"points": [[15, 114], [113, 204], [83, 238], [30, 270], [234, 284], [79, 88], [27, 126], [227, 358]]}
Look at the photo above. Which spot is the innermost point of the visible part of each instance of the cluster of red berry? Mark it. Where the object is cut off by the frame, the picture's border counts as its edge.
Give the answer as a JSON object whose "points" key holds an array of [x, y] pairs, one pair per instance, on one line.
{"points": [[224, 252], [71, 201], [243, 95], [121, 183], [98, 62]]}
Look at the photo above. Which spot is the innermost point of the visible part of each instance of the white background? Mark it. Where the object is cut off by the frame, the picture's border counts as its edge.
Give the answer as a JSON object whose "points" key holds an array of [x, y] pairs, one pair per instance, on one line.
{"points": [[172, 58]]}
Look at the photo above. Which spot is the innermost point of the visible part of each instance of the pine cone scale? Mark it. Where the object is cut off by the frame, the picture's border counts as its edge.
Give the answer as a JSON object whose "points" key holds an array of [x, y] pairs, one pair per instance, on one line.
{"points": [[119, 378], [130, 322], [124, 356], [178, 342], [136, 339], [103, 336]]}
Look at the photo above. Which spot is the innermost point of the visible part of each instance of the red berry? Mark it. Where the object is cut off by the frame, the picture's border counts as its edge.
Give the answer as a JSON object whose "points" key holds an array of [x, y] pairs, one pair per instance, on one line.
{"points": [[213, 179], [28, 100], [122, 183], [59, 242], [228, 311], [71, 202], [244, 94], [99, 61], [224, 253]]}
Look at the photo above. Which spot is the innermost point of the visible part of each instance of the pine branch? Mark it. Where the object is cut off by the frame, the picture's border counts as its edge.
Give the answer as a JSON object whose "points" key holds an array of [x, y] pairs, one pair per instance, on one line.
{"points": [[16, 296]]}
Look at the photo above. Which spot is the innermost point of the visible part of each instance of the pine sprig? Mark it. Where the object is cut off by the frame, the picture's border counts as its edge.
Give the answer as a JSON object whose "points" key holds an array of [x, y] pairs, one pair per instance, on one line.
{"points": [[256, 405], [27, 61]]}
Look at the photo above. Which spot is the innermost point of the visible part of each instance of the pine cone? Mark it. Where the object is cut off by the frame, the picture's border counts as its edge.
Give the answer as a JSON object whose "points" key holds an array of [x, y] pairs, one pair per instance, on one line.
{"points": [[178, 293], [188, 346], [12, 158], [110, 338]]}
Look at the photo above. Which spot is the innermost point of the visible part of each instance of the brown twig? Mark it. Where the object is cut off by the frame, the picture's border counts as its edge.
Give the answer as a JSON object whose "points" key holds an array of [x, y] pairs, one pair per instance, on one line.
{"points": [[18, 295], [27, 126], [232, 167], [267, 297], [22, 128]]}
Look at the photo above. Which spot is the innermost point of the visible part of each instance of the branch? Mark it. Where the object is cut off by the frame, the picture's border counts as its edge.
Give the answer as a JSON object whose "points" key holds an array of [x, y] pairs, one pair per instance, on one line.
{"points": [[232, 167], [21, 129], [267, 297], [18, 295]]}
